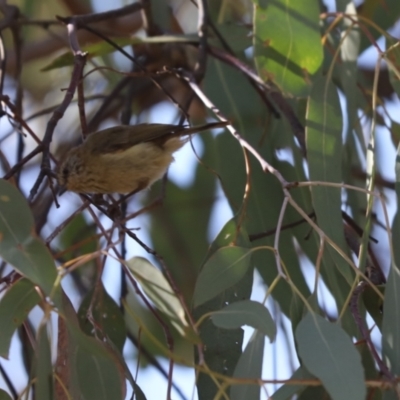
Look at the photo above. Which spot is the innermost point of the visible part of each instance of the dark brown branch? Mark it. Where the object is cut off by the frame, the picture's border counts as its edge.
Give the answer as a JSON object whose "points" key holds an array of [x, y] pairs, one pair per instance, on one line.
{"points": [[202, 31], [256, 236], [8, 382], [137, 63], [365, 333], [79, 63]]}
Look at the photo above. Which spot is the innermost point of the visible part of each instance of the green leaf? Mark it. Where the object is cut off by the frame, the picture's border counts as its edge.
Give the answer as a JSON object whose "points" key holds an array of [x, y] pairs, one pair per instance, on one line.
{"points": [[222, 347], [44, 381], [391, 321], [4, 395], [15, 306], [221, 271], [18, 244], [106, 318], [249, 366], [230, 234], [393, 58], [172, 225], [238, 35], [348, 68], [329, 354], [97, 375], [159, 291], [96, 370], [374, 304], [287, 391], [324, 149], [287, 43], [391, 313], [383, 15], [246, 312], [78, 231], [395, 133], [313, 392]]}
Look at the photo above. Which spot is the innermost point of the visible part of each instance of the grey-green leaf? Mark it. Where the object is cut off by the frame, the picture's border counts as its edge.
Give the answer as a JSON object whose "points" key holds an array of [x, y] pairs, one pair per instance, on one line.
{"points": [[4, 395], [246, 312], [97, 376], [44, 381], [221, 271], [287, 391], [15, 306], [249, 366], [329, 354], [18, 244], [106, 319], [391, 321], [324, 149], [159, 291]]}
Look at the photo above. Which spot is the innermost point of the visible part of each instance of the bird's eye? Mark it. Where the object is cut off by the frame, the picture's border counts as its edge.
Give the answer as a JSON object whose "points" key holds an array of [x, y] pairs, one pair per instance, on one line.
{"points": [[65, 172]]}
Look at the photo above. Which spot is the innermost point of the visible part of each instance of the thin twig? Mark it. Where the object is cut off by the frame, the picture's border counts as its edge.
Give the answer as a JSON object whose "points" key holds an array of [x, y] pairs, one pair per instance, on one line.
{"points": [[81, 20], [79, 63]]}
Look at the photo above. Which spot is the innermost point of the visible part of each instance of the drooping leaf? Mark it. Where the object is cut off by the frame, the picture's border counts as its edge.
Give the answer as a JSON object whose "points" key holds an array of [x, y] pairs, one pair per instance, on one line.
{"points": [[18, 244], [246, 312], [77, 238], [97, 375], [391, 313], [349, 50], [159, 291], [383, 15], [287, 391], [287, 43], [222, 270], [329, 354], [44, 380], [222, 347], [324, 148], [96, 371], [15, 306], [391, 321], [249, 366], [100, 316], [4, 395], [230, 234], [180, 227], [393, 55]]}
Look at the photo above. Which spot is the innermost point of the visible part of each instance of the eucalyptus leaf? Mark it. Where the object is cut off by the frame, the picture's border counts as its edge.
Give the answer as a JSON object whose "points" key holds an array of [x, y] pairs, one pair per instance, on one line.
{"points": [[249, 366], [15, 306], [246, 312], [20, 247], [159, 291], [329, 354], [221, 271], [4, 395], [44, 380], [287, 43]]}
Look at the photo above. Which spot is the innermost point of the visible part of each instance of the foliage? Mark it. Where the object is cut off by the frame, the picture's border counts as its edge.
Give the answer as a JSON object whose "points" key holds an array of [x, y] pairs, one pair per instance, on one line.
{"points": [[309, 202]]}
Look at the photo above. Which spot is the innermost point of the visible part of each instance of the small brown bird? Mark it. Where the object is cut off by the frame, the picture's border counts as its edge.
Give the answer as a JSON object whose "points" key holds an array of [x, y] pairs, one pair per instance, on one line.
{"points": [[124, 159]]}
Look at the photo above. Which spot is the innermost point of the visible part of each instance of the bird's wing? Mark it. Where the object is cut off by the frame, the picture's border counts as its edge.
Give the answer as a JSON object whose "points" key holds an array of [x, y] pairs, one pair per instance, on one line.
{"points": [[122, 137]]}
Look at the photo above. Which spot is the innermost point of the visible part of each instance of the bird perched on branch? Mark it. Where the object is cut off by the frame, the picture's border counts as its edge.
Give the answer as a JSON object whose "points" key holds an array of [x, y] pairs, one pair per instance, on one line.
{"points": [[124, 159]]}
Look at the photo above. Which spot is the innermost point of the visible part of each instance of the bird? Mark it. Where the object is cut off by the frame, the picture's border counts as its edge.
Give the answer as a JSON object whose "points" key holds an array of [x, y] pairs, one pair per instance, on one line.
{"points": [[124, 159]]}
